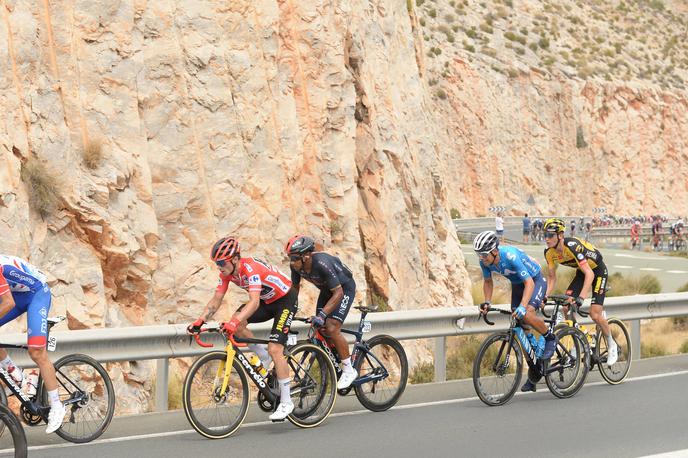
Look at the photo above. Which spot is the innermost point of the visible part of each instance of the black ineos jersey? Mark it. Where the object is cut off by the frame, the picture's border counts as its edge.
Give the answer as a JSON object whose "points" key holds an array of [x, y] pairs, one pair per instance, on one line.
{"points": [[327, 272]]}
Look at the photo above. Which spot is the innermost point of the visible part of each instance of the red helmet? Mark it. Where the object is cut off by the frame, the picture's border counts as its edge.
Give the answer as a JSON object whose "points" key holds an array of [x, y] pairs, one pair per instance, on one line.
{"points": [[225, 248], [291, 241]]}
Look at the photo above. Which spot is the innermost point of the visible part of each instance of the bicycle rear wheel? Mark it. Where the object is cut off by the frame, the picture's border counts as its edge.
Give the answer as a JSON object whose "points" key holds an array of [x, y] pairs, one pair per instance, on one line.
{"points": [[618, 372], [496, 373], [213, 414], [12, 435], [85, 389], [568, 368], [313, 385], [384, 355]]}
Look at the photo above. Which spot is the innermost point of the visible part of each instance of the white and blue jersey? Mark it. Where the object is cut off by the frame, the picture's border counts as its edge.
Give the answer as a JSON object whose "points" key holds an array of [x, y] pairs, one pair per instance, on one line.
{"points": [[514, 264], [31, 295]]}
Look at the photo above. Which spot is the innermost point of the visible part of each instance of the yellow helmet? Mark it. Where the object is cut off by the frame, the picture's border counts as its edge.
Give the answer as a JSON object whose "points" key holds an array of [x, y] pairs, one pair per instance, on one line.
{"points": [[554, 225]]}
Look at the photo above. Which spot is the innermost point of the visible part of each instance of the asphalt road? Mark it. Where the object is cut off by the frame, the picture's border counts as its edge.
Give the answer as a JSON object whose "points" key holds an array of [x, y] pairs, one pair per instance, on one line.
{"points": [[645, 415]]}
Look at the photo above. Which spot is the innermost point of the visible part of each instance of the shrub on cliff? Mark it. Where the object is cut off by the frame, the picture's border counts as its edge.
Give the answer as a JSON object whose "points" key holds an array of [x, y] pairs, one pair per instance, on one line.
{"points": [[43, 186], [93, 153]]}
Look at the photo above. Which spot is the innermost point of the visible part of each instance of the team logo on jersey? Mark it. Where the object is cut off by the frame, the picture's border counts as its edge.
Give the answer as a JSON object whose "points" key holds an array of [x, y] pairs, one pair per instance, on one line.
{"points": [[254, 279], [571, 243], [524, 273], [248, 268], [510, 256], [580, 257], [43, 312]]}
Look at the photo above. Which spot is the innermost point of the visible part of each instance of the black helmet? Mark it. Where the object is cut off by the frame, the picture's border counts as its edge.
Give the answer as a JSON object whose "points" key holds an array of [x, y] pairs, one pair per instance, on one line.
{"points": [[300, 245]]}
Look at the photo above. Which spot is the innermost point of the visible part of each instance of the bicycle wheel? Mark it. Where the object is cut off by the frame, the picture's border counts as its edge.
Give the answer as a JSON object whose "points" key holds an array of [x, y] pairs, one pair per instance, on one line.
{"points": [[313, 385], [618, 372], [12, 435], [569, 366], [213, 414], [384, 356], [496, 373], [85, 389], [3, 401]]}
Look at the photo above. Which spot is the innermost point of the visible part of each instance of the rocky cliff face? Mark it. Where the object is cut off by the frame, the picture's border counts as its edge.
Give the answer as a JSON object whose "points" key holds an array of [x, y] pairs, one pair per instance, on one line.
{"points": [[267, 118]]}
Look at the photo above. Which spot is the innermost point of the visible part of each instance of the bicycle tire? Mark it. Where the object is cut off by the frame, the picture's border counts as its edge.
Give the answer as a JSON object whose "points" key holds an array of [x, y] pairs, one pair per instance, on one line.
{"points": [[83, 380], [364, 391], [494, 363], [3, 401], [11, 424], [206, 368], [619, 371], [314, 379], [562, 357]]}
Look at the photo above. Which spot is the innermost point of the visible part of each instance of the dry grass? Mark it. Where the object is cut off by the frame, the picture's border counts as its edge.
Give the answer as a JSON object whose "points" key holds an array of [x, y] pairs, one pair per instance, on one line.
{"points": [[43, 186], [93, 153]]}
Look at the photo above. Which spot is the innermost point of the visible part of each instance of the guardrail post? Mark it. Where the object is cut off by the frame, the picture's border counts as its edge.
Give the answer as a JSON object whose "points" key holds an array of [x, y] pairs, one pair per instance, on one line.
{"points": [[635, 339], [161, 379], [440, 359]]}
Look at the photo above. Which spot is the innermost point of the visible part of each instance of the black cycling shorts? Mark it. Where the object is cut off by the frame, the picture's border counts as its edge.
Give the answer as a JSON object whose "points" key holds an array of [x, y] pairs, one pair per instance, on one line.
{"points": [[281, 311], [599, 284], [342, 309]]}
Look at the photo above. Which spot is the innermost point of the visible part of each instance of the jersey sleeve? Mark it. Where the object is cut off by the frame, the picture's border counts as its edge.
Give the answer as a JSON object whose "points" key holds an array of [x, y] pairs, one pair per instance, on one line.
{"points": [[4, 287], [326, 268], [222, 284], [548, 259], [577, 250]]}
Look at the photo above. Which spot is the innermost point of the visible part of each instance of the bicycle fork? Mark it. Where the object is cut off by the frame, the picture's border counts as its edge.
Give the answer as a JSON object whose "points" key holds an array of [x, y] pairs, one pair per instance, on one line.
{"points": [[224, 370]]}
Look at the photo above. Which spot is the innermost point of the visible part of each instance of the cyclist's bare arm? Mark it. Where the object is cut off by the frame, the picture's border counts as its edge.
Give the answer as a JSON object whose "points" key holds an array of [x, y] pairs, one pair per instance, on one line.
{"points": [[6, 303], [551, 278], [213, 305], [250, 307], [488, 286], [335, 299], [528, 288], [589, 277]]}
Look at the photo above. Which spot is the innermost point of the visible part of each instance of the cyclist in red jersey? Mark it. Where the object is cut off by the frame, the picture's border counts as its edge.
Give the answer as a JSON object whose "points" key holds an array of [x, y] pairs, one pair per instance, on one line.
{"points": [[270, 297], [635, 234]]}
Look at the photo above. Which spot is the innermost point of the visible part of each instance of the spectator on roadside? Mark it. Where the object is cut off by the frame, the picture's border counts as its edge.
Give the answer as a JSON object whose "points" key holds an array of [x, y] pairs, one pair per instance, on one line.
{"points": [[573, 228], [588, 230], [526, 228], [499, 226]]}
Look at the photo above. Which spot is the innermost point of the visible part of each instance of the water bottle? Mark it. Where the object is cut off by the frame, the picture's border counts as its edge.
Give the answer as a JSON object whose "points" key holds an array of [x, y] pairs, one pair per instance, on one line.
{"points": [[258, 365], [532, 340], [16, 373], [32, 382], [540, 347]]}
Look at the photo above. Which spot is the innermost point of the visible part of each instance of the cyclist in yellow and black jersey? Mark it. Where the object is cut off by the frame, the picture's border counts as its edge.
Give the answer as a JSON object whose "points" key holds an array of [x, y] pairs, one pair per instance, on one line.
{"points": [[590, 281]]}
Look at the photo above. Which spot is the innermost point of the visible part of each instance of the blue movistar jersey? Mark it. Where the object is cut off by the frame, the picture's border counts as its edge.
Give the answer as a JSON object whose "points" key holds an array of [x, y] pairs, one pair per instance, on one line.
{"points": [[514, 264]]}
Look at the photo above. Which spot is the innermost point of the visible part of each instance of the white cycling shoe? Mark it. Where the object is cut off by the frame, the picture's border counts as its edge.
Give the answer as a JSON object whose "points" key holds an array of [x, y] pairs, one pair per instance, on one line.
{"points": [[55, 417], [283, 410], [346, 379], [612, 354]]}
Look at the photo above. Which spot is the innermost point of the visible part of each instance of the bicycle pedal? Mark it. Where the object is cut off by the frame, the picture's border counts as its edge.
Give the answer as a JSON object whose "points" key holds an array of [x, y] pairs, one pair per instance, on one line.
{"points": [[278, 421]]}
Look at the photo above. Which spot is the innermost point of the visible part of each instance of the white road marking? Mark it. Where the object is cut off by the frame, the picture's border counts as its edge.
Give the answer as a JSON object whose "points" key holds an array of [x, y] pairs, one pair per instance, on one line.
{"points": [[651, 269], [677, 271], [340, 414], [644, 258], [675, 454], [623, 267]]}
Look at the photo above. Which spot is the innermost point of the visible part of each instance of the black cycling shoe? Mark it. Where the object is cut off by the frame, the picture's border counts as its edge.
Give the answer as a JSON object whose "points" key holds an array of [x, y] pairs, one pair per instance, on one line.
{"points": [[528, 386]]}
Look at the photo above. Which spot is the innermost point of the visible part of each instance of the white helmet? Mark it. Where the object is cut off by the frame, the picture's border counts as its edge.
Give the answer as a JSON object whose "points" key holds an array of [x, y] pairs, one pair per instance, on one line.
{"points": [[485, 242]]}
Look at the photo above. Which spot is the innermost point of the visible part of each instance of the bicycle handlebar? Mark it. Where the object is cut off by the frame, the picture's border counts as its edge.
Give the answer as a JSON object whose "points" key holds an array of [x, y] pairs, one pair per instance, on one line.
{"points": [[218, 329], [490, 309]]}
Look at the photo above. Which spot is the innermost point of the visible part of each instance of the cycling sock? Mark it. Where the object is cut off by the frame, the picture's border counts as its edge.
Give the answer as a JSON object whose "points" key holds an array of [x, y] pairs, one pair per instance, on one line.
{"points": [[54, 397], [347, 363], [262, 353], [285, 395]]}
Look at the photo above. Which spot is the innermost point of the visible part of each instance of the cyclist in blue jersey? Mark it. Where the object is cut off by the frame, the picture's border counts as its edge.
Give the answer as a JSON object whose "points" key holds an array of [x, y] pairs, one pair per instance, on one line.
{"points": [[528, 286], [24, 289], [337, 290]]}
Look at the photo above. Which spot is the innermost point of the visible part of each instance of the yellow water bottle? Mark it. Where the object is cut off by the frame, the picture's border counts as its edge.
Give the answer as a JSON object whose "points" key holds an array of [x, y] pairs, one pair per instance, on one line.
{"points": [[258, 365]]}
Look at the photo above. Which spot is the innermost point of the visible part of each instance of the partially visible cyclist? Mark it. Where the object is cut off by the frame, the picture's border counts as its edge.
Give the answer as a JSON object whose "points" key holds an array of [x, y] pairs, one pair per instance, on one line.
{"points": [[635, 234], [677, 234], [24, 289], [337, 290], [528, 286], [270, 296], [589, 283], [656, 232]]}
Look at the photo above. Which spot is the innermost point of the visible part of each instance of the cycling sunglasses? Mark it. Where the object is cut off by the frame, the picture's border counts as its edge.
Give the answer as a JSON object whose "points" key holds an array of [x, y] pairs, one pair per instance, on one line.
{"points": [[295, 257], [221, 263], [484, 255], [549, 235]]}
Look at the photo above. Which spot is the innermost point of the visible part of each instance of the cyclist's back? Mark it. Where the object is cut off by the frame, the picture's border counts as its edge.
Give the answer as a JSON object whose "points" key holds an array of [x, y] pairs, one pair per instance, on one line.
{"points": [[326, 273], [514, 264], [575, 252]]}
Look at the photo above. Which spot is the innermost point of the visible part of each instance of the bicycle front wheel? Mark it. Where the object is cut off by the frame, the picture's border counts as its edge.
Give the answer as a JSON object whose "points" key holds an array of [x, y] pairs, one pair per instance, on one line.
{"points": [[569, 366], [496, 371], [85, 389], [617, 372], [12, 436], [384, 363], [214, 414], [313, 385]]}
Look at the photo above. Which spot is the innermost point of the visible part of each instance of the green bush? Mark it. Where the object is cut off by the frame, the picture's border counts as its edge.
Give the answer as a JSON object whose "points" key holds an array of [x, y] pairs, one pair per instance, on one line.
{"points": [[651, 350], [420, 2], [460, 358], [93, 153], [422, 373], [683, 289], [43, 186], [441, 94], [580, 139], [621, 285], [684, 347], [468, 47], [454, 213], [680, 323], [543, 43], [432, 13], [511, 36]]}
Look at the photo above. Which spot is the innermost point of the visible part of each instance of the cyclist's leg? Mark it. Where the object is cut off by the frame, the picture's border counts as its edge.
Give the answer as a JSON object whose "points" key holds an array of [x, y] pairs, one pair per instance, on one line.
{"points": [[334, 321], [37, 324], [264, 313], [286, 309], [599, 285], [532, 318]]}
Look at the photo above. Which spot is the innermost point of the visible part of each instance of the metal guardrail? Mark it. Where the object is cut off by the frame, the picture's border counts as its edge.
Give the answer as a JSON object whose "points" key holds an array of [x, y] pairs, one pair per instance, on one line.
{"points": [[170, 341]]}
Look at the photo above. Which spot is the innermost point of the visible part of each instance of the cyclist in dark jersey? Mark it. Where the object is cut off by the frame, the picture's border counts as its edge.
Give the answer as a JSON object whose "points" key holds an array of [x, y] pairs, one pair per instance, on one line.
{"points": [[337, 290]]}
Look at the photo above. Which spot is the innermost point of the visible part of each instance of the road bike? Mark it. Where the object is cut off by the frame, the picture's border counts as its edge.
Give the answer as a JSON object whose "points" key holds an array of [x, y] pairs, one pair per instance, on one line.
{"points": [[381, 364], [597, 346], [12, 433], [84, 387], [216, 389], [498, 366]]}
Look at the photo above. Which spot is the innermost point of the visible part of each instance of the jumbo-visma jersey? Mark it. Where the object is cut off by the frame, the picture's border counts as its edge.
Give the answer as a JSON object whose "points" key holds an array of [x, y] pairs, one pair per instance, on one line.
{"points": [[576, 253], [256, 275]]}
